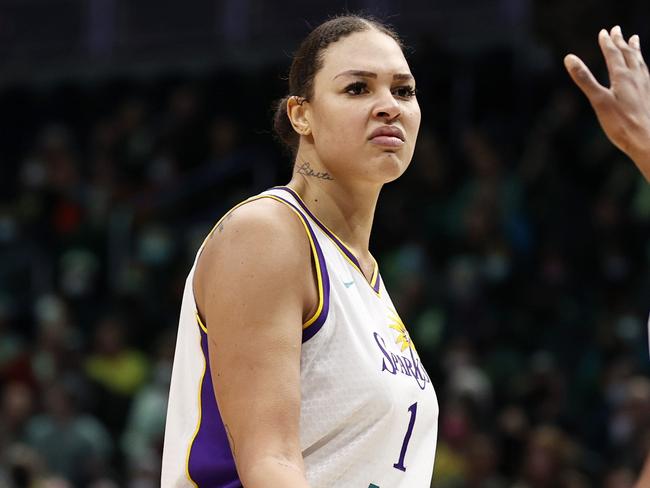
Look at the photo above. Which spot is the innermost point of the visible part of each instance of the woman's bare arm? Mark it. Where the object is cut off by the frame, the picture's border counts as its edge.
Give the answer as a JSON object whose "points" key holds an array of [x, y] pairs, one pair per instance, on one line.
{"points": [[252, 285]]}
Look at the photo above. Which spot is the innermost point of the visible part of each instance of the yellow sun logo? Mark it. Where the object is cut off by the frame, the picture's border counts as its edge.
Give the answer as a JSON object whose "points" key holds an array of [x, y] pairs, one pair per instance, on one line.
{"points": [[403, 339]]}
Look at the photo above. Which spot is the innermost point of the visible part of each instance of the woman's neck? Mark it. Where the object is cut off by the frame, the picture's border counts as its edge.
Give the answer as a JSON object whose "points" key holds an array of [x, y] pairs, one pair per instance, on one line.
{"points": [[347, 209]]}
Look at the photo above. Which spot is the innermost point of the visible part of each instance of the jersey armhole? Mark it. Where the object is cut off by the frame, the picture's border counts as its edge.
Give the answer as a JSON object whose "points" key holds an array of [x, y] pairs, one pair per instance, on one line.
{"points": [[316, 321], [312, 325]]}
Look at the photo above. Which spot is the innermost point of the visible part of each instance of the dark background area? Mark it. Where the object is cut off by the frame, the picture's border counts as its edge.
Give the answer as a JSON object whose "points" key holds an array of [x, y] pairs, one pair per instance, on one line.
{"points": [[516, 247]]}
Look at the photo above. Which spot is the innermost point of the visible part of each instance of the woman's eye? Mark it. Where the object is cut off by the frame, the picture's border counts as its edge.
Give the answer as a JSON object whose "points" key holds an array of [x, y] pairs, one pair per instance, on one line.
{"points": [[405, 91], [357, 88]]}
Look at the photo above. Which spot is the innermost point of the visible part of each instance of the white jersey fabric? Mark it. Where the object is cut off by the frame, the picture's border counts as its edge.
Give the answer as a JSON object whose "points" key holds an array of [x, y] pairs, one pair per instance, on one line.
{"points": [[369, 412]]}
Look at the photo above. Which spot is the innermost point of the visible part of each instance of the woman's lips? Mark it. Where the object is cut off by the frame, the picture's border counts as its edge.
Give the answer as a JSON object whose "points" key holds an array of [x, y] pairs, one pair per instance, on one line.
{"points": [[387, 136], [388, 141]]}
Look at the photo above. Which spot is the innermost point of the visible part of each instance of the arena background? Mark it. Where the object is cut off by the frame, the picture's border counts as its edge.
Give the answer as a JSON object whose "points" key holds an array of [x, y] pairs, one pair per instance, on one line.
{"points": [[516, 247]]}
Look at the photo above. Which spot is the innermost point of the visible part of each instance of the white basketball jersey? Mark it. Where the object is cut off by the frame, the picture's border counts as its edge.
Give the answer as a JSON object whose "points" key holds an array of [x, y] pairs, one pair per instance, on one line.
{"points": [[369, 412]]}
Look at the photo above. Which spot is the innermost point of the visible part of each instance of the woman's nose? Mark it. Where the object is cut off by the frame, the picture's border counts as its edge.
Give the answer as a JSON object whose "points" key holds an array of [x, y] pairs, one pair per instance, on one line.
{"points": [[387, 107]]}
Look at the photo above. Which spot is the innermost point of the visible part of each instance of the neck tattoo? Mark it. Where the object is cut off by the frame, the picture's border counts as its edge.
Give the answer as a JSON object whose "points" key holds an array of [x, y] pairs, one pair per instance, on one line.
{"points": [[306, 170]]}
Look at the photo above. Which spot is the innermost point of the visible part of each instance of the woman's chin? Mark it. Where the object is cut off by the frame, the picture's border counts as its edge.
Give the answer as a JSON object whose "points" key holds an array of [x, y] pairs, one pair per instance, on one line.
{"points": [[389, 166], [377, 168]]}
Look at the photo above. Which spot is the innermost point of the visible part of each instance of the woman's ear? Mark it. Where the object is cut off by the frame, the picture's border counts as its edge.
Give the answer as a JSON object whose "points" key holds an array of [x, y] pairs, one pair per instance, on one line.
{"points": [[298, 112]]}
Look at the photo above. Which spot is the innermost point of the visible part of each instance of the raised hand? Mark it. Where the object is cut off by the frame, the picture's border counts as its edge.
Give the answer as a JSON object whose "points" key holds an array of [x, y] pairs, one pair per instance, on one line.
{"points": [[623, 109]]}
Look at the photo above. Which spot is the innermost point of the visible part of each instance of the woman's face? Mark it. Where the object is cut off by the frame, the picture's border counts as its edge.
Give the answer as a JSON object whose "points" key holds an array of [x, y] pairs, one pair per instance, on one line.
{"points": [[364, 86]]}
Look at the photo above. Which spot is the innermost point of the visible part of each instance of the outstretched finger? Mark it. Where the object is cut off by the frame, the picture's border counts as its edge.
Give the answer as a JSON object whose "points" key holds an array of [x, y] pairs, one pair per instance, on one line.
{"points": [[629, 54], [585, 80], [635, 43], [613, 56]]}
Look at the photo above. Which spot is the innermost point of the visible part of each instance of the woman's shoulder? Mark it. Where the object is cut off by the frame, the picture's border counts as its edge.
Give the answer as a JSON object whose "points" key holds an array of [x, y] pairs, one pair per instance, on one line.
{"points": [[260, 222], [256, 255], [262, 232]]}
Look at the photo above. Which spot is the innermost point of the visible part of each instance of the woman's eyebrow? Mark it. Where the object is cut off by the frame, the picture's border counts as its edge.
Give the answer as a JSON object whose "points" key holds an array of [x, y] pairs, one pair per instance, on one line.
{"points": [[370, 74]]}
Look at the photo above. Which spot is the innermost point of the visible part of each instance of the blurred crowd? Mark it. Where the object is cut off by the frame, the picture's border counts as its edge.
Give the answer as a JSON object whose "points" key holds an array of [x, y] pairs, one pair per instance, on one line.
{"points": [[516, 249]]}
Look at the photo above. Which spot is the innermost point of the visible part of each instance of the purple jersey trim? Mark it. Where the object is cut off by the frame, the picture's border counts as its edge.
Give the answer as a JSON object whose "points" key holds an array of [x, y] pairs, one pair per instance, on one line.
{"points": [[210, 463], [344, 249], [315, 326], [377, 284], [338, 242]]}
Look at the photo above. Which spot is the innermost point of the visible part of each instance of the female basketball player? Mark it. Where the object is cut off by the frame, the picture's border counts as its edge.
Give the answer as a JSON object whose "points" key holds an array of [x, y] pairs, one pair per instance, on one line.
{"points": [[315, 376], [286, 324]]}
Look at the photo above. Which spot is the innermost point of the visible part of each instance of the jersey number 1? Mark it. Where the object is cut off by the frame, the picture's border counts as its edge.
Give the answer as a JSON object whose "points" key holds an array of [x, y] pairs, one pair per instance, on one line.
{"points": [[413, 409]]}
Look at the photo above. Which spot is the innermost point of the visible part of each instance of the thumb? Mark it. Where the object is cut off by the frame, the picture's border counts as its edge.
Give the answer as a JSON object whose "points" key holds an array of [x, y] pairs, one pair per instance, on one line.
{"points": [[582, 77]]}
